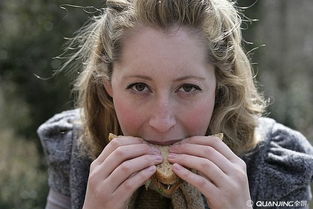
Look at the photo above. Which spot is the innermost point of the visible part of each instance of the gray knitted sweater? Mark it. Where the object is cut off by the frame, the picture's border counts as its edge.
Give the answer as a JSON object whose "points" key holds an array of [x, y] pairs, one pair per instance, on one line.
{"points": [[280, 168]]}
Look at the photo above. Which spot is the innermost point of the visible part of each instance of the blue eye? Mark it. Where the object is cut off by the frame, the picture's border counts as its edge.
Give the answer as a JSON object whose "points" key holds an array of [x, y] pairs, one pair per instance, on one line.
{"points": [[138, 87], [189, 88]]}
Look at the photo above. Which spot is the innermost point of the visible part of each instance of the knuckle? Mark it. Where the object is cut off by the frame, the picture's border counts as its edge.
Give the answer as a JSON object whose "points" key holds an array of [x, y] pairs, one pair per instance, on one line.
{"points": [[115, 143], [205, 164], [243, 164], [126, 168], [128, 185], [208, 151], [120, 152], [93, 165]]}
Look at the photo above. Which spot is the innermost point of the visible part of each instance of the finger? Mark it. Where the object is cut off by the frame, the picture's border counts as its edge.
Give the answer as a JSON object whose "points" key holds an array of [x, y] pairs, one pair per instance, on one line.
{"points": [[214, 142], [205, 186], [131, 168], [203, 151], [125, 153], [114, 144], [205, 166], [128, 187]]}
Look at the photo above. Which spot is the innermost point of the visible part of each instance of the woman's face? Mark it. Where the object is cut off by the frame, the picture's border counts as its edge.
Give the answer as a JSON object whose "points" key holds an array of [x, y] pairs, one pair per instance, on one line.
{"points": [[163, 87]]}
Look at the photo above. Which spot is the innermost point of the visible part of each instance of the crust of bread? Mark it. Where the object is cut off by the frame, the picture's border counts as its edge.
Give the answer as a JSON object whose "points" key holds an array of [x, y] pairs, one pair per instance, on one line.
{"points": [[166, 178], [219, 135], [111, 136], [164, 172]]}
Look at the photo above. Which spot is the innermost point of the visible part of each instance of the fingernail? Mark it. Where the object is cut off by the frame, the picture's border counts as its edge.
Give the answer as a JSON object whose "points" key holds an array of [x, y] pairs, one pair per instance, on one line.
{"points": [[177, 167], [158, 158]]}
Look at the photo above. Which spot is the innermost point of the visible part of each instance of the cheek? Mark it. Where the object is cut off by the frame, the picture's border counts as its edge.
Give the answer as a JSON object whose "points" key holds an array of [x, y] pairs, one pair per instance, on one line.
{"points": [[130, 118], [197, 119]]}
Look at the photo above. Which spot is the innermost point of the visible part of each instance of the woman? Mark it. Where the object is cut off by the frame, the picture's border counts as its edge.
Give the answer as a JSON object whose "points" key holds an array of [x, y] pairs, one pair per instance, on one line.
{"points": [[171, 72]]}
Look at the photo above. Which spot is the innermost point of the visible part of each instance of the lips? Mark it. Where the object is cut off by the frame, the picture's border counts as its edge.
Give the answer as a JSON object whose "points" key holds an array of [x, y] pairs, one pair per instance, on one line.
{"points": [[164, 142]]}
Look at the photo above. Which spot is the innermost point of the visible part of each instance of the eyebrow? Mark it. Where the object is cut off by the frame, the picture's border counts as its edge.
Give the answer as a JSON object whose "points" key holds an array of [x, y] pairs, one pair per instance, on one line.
{"points": [[178, 79]]}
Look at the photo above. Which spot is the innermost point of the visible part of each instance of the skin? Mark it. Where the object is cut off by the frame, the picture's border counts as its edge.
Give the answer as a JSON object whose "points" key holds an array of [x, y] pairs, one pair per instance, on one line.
{"points": [[163, 90]]}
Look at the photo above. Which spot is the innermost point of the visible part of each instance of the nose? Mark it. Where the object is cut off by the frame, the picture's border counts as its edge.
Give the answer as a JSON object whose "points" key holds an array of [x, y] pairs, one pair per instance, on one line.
{"points": [[163, 117]]}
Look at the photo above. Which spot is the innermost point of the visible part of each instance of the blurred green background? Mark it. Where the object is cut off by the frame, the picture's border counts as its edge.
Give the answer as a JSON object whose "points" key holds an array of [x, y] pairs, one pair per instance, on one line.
{"points": [[32, 34]]}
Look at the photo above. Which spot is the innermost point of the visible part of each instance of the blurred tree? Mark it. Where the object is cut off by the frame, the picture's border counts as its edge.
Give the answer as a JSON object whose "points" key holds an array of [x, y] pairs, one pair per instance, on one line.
{"points": [[285, 63], [32, 35]]}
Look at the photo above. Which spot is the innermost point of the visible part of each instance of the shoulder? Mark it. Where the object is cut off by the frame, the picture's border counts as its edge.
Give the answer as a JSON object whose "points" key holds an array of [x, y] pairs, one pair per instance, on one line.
{"points": [[276, 136], [282, 163], [57, 135], [285, 148], [59, 124]]}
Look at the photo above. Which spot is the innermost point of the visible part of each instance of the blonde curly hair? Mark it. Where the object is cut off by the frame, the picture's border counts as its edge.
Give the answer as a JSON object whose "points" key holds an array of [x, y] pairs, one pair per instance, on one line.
{"points": [[238, 103]]}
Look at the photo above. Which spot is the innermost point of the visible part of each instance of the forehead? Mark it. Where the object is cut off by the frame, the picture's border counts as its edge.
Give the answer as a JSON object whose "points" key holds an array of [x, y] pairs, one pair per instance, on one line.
{"points": [[178, 46]]}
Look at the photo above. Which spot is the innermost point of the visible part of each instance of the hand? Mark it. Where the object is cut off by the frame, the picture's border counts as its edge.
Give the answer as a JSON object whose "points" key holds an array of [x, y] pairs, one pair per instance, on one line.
{"points": [[121, 168], [222, 177]]}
